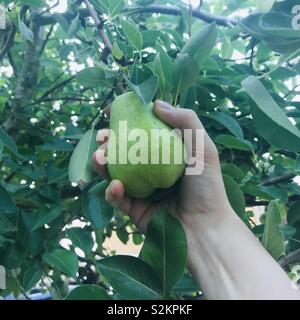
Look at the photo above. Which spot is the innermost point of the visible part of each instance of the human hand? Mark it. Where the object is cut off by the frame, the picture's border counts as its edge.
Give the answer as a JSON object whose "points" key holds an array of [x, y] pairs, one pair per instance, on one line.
{"points": [[199, 198]]}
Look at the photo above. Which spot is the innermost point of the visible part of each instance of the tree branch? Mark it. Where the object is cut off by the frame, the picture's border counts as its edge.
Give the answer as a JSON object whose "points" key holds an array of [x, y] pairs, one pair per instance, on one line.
{"points": [[51, 90], [290, 258], [168, 10], [284, 178], [99, 25]]}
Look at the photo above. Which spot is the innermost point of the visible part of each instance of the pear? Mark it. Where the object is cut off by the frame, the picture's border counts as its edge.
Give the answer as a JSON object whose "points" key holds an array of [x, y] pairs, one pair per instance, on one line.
{"points": [[150, 170]]}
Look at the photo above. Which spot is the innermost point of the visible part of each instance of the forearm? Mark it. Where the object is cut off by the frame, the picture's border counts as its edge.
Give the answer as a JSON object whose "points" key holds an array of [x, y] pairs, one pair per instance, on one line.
{"points": [[230, 263]]}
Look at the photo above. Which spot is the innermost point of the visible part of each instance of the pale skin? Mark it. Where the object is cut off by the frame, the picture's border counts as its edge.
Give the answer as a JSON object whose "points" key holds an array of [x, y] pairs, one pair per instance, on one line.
{"points": [[224, 257]]}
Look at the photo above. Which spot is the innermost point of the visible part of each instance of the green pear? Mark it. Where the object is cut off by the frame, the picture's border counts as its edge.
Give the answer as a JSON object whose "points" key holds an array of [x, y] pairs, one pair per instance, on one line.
{"points": [[152, 167]]}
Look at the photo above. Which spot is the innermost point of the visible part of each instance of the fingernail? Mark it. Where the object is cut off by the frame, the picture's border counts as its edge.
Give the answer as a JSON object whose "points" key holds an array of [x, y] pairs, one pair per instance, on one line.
{"points": [[164, 105]]}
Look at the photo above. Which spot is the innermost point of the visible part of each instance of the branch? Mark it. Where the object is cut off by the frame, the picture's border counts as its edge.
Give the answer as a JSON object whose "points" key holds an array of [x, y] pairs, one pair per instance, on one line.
{"points": [[99, 25], [284, 178], [290, 258], [168, 10], [51, 90], [46, 40], [199, 14], [12, 63], [9, 42]]}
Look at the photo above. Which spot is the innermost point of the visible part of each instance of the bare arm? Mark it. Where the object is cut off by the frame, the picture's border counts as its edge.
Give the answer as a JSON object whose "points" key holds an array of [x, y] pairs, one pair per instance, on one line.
{"points": [[224, 256]]}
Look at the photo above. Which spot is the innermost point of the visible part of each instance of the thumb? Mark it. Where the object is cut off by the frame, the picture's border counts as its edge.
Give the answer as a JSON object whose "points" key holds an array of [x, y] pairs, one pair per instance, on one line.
{"points": [[177, 118]]}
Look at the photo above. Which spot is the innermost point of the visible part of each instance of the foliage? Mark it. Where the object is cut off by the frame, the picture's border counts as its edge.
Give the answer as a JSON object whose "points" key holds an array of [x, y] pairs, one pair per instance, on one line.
{"points": [[60, 71]]}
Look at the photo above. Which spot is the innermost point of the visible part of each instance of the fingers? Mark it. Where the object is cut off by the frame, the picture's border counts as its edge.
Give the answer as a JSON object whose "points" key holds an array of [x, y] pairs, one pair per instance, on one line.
{"points": [[177, 117], [115, 196]]}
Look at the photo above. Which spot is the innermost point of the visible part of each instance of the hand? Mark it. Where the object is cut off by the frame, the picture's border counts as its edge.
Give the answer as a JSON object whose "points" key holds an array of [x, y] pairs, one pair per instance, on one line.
{"points": [[198, 195]]}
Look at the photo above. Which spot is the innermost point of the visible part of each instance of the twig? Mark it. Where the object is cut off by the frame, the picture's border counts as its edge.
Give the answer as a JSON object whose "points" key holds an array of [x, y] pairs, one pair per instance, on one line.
{"points": [[290, 258], [284, 178], [168, 10], [99, 25], [50, 8], [46, 39], [51, 90]]}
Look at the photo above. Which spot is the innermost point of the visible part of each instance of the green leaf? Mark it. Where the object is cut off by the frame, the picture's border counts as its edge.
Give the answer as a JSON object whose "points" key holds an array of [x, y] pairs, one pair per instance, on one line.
{"points": [[63, 260], [81, 168], [161, 249], [271, 122], [146, 90], [131, 277], [93, 77], [228, 122], [167, 66], [26, 33], [75, 25], [34, 3], [44, 216], [7, 204], [81, 238], [8, 142], [31, 277], [186, 284], [6, 225], [58, 145], [273, 239], [235, 195], [111, 7], [132, 34], [95, 207], [232, 142], [88, 292], [116, 51], [158, 70], [201, 43], [185, 72], [293, 216]]}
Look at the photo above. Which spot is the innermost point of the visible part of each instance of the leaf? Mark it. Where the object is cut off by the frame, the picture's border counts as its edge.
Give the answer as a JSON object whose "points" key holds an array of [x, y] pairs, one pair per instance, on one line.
{"points": [[271, 122], [6, 225], [88, 292], [201, 43], [8, 142], [74, 26], [167, 66], [58, 145], [131, 277], [293, 216], [116, 51], [44, 216], [235, 195], [157, 68], [7, 204], [161, 249], [186, 285], [81, 238], [147, 90], [92, 77], [132, 34], [63, 260], [34, 3], [232, 142], [185, 72], [81, 169], [95, 207], [228, 122], [31, 277], [273, 239], [26, 33]]}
